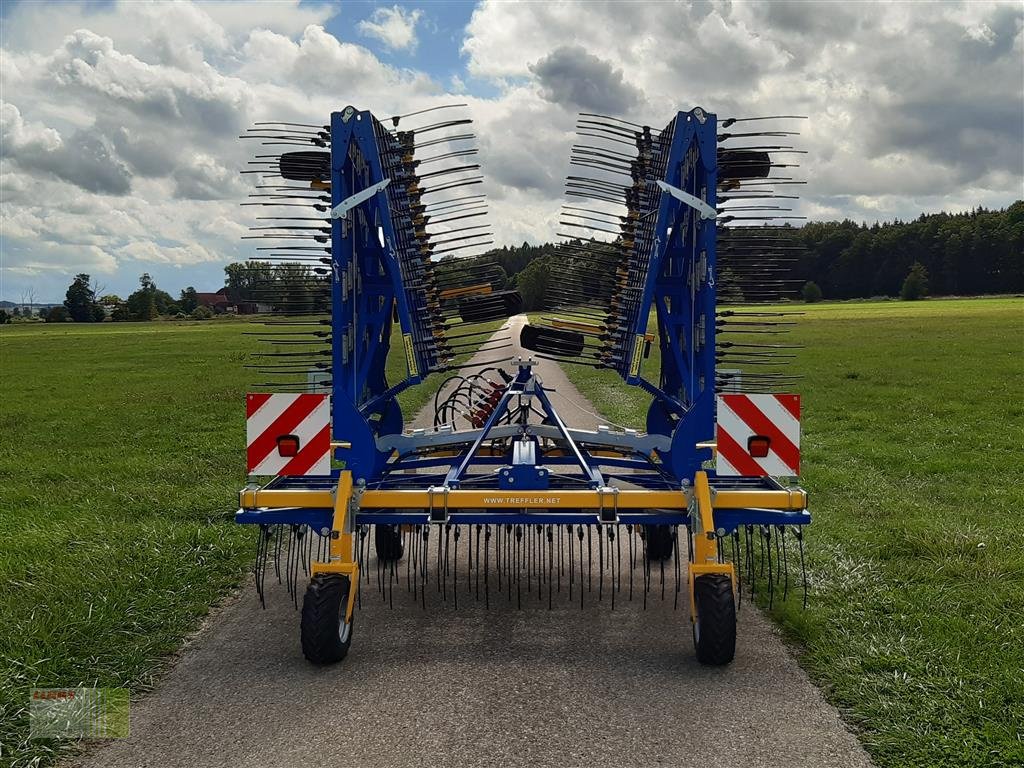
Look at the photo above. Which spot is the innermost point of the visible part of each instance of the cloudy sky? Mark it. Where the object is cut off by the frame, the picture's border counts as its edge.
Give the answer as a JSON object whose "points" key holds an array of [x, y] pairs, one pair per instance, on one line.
{"points": [[118, 120]]}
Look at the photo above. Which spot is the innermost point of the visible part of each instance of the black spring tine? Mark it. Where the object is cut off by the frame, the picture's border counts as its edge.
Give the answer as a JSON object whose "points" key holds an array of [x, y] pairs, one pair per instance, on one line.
{"points": [[614, 557], [361, 561], [766, 532], [478, 530], [423, 566], [600, 563], [590, 559], [803, 567], [298, 534], [288, 561], [752, 558], [497, 553], [540, 561], [784, 563], [310, 536], [678, 568], [392, 578], [469, 561], [778, 556], [560, 558], [438, 572], [611, 562], [579, 535], [415, 538], [528, 556], [760, 540], [646, 565], [455, 569], [551, 565], [487, 552], [737, 561], [519, 556], [409, 555], [506, 561], [444, 576], [661, 562], [572, 575], [632, 558], [259, 564], [277, 553], [380, 574]]}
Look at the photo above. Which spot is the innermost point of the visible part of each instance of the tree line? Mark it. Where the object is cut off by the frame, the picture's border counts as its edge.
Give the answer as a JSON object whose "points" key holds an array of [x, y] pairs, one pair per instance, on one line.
{"points": [[84, 304], [942, 254], [958, 254]]}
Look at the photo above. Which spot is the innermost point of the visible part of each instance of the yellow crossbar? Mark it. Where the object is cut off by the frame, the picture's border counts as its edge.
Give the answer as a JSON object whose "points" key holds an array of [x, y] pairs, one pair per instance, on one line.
{"points": [[788, 499]]}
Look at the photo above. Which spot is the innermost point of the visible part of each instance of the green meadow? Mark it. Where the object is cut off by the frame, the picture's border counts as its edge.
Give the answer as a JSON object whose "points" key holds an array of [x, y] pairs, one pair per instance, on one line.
{"points": [[122, 450], [913, 456]]}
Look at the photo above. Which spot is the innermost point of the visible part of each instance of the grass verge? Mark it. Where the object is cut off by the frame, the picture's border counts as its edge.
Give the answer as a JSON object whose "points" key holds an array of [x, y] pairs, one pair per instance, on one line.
{"points": [[913, 429], [122, 448]]}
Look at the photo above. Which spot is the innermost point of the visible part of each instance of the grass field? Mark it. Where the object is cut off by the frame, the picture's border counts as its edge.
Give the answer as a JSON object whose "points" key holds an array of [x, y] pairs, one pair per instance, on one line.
{"points": [[122, 448], [913, 453]]}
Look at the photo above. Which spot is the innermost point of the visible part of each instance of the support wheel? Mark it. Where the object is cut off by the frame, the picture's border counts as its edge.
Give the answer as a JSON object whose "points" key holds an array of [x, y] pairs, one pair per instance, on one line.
{"points": [[714, 631], [387, 541], [659, 542], [326, 636]]}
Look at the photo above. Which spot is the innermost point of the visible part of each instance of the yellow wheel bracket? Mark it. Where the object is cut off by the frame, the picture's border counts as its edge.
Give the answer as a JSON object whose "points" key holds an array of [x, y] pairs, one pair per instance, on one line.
{"points": [[705, 542], [341, 558]]}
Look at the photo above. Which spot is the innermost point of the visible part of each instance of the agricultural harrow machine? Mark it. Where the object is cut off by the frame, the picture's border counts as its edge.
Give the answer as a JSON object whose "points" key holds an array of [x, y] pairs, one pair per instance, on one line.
{"points": [[371, 236]]}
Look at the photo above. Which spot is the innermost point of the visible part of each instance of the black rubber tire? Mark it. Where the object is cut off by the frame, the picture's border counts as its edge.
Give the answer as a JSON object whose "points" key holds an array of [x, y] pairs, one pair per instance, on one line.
{"points": [[659, 542], [714, 632], [387, 542], [325, 636]]}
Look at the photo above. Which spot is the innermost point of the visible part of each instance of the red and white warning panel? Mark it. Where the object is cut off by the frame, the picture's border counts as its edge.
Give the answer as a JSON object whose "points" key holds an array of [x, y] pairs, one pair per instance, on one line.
{"points": [[758, 435], [288, 434]]}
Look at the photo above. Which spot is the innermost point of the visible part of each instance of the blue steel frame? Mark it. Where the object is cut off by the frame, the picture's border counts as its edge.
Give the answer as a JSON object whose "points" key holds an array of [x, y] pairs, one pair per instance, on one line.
{"points": [[680, 287], [368, 285]]}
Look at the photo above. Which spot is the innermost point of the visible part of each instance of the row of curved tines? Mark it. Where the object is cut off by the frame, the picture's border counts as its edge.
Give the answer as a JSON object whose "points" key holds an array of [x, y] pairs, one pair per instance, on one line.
{"points": [[600, 281], [757, 253], [438, 238], [428, 192], [287, 286], [757, 249]]}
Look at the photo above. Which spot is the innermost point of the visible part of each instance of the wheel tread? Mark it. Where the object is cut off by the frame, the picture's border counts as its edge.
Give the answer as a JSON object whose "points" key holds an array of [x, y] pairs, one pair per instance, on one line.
{"points": [[716, 611], [326, 597]]}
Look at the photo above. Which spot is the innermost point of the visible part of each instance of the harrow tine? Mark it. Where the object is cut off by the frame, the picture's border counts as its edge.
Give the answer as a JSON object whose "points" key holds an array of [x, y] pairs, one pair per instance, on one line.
{"points": [[487, 567], [423, 566], [632, 558], [737, 561], [785, 562], [675, 558], [277, 552], [551, 565], [799, 533], [646, 565], [259, 569]]}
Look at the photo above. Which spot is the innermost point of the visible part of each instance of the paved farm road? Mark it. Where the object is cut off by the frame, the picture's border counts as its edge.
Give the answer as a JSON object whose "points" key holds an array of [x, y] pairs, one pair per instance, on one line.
{"points": [[566, 687]]}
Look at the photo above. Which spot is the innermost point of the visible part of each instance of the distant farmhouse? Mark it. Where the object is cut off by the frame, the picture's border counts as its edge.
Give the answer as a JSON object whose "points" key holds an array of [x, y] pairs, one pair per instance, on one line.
{"points": [[221, 302]]}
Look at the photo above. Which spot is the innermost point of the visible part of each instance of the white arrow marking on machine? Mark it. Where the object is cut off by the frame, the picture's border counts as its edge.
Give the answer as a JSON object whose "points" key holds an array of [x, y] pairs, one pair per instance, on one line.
{"points": [[705, 210], [361, 196]]}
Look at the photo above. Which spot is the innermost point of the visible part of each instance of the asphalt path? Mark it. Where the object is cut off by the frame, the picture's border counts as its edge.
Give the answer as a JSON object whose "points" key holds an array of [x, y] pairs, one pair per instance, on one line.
{"points": [[504, 686]]}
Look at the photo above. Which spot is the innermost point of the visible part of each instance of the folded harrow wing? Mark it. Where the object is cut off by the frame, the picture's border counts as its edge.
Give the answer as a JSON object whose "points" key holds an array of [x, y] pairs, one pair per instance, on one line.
{"points": [[502, 498]]}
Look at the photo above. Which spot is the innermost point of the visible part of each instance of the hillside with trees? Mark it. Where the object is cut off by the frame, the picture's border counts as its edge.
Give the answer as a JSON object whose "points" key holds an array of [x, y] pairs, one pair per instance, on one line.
{"points": [[941, 254]]}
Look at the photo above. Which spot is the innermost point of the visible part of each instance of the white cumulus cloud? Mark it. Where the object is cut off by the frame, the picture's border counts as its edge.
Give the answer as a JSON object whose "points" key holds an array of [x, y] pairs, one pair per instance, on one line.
{"points": [[395, 27]]}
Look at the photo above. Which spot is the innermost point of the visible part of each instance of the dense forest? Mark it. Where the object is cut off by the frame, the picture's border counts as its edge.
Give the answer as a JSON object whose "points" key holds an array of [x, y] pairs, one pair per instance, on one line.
{"points": [[980, 252]]}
